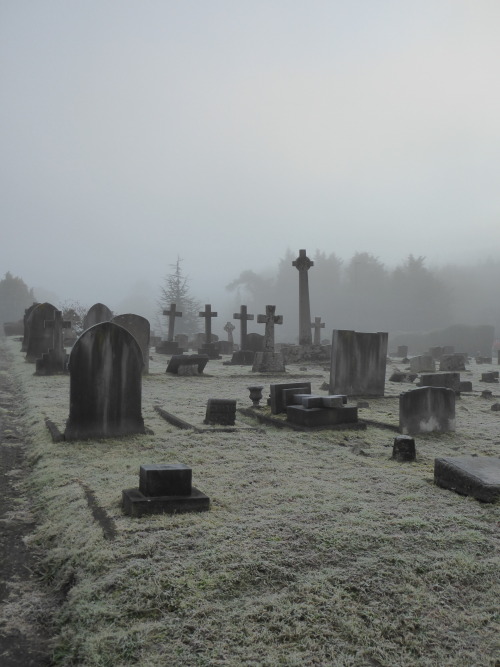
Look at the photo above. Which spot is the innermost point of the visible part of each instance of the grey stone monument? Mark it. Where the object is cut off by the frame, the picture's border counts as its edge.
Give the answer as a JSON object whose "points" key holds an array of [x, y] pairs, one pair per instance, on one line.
{"points": [[140, 329], [317, 325], [303, 264], [54, 361], [96, 314], [171, 314], [40, 337], [269, 361], [427, 410], [358, 363], [209, 348]]}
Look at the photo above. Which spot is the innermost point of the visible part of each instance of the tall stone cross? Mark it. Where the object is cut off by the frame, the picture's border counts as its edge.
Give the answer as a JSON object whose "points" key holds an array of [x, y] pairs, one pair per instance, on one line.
{"points": [[58, 324], [229, 328], [208, 314], [171, 314], [317, 325], [242, 315], [269, 319], [303, 264]]}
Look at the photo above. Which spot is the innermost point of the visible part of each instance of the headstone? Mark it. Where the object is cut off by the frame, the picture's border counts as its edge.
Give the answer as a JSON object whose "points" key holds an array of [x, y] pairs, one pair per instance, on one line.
{"points": [[303, 264], [54, 361], [402, 351], [423, 363], [244, 317], [164, 489], [427, 409], [229, 328], [277, 401], [269, 361], [140, 329], [358, 363], [449, 380], [491, 376], [255, 342], [182, 340], [317, 325], [208, 347], [403, 448], [105, 367], [40, 337], [436, 352], [26, 322], [319, 411], [452, 362], [476, 476], [172, 314], [96, 314], [220, 411], [187, 364]]}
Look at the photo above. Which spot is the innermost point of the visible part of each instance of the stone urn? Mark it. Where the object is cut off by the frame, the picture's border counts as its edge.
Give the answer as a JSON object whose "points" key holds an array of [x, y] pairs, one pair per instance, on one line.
{"points": [[256, 394]]}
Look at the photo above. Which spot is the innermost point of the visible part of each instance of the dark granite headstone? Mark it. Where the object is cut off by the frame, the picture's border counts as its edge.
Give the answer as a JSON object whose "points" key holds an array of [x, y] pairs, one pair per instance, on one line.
{"points": [[40, 337], [449, 380], [477, 476], [140, 329], [358, 363], [105, 367], [55, 361], [452, 362], [220, 411], [26, 323], [96, 314], [427, 409], [422, 364], [403, 448]]}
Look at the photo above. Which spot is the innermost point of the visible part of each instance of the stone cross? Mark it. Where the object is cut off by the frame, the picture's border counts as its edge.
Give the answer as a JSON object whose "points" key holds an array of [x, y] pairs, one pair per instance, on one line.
{"points": [[208, 314], [58, 324], [269, 319], [172, 314], [317, 325], [242, 315], [229, 327], [303, 264]]}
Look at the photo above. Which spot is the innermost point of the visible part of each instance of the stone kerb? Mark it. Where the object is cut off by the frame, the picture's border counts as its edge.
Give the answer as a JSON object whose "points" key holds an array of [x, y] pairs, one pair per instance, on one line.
{"points": [[105, 367]]}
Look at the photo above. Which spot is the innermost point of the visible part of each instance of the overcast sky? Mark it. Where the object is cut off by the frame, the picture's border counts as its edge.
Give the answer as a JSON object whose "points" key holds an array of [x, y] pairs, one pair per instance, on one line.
{"points": [[226, 131]]}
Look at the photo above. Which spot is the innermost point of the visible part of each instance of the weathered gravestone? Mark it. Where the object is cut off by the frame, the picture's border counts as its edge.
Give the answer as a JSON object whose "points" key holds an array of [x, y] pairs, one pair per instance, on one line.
{"points": [[26, 320], [278, 400], [220, 411], [303, 264], [164, 488], [105, 367], [40, 337], [317, 325], [187, 364], [269, 361], [245, 355], [452, 362], [140, 329], [358, 363], [96, 314], [476, 476], [427, 409], [320, 411], [55, 360], [402, 351], [448, 380], [208, 348], [170, 346], [422, 363], [403, 448]]}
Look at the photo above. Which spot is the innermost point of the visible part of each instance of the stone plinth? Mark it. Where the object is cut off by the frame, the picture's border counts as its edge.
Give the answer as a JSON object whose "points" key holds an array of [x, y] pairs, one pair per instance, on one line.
{"points": [[403, 448], [476, 476], [268, 362], [311, 417], [168, 347]]}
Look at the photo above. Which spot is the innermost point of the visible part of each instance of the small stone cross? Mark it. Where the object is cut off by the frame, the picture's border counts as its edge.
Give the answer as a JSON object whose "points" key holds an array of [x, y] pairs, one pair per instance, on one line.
{"points": [[58, 324], [208, 314], [229, 328], [317, 325], [172, 314], [269, 319], [244, 317]]}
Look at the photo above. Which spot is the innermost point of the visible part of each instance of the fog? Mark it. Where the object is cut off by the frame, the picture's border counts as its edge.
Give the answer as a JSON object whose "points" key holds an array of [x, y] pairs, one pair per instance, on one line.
{"points": [[232, 134]]}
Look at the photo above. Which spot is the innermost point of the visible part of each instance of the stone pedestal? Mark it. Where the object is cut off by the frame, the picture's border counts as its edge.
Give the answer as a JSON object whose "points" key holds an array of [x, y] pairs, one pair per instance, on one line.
{"points": [[268, 362], [404, 448]]}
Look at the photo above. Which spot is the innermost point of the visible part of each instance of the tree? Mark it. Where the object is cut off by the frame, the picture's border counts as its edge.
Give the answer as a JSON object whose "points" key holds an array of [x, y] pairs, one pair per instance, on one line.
{"points": [[15, 297], [176, 290], [74, 312]]}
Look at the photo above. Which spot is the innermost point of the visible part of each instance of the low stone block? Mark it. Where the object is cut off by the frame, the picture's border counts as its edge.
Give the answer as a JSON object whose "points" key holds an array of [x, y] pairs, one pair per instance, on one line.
{"points": [[311, 401], [476, 476], [312, 417], [465, 385], [404, 448], [450, 380], [136, 504], [277, 401], [422, 363], [220, 411], [178, 361], [452, 362], [165, 480], [489, 377], [168, 347], [334, 401]]}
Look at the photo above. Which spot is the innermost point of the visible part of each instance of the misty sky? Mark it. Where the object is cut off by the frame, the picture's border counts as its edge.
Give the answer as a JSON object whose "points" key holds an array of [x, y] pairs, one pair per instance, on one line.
{"points": [[226, 131]]}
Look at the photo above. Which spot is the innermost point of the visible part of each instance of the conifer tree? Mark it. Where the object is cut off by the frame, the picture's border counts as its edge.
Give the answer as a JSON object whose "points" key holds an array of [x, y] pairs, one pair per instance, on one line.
{"points": [[176, 290]]}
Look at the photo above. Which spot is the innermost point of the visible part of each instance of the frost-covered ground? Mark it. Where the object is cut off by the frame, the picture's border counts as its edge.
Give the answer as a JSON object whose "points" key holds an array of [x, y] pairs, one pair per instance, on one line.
{"points": [[318, 549]]}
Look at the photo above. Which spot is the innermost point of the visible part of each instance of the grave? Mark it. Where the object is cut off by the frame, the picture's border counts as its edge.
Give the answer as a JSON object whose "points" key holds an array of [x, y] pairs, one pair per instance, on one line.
{"points": [[229, 328], [105, 368], [317, 325], [164, 489], [245, 355], [427, 409], [55, 360], [491, 376], [26, 324], [484, 360], [183, 341], [277, 398], [187, 364], [40, 338], [402, 351], [303, 264], [403, 448], [452, 362], [449, 380], [209, 348], [358, 363], [269, 361], [220, 411], [320, 411], [423, 363], [170, 346], [436, 352], [476, 476], [140, 329], [96, 314]]}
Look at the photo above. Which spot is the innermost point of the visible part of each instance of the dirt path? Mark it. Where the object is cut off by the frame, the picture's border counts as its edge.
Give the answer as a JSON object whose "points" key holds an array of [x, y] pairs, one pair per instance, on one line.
{"points": [[24, 607]]}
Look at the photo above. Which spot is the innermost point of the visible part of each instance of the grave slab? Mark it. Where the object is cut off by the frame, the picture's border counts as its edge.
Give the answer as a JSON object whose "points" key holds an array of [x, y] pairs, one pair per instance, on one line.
{"points": [[476, 476], [136, 504], [311, 417], [197, 362], [276, 391]]}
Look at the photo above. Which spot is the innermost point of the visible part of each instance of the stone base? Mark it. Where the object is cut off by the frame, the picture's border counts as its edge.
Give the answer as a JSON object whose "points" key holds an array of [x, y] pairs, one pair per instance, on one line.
{"points": [[211, 350], [476, 476], [52, 363], [98, 432], [268, 362], [168, 347], [184, 364], [241, 358], [136, 504], [297, 414]]}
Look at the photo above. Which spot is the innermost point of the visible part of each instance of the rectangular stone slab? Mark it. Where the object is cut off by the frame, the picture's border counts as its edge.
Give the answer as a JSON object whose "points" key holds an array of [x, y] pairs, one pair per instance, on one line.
{"points": [[165, 479], [311, 417], [276, 393], [476, 476], [137, 504]]}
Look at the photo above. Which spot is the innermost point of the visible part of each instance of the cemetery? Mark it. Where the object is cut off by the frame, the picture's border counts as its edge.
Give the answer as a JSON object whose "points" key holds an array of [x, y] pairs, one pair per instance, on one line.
{"points": [[236, 507]]}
